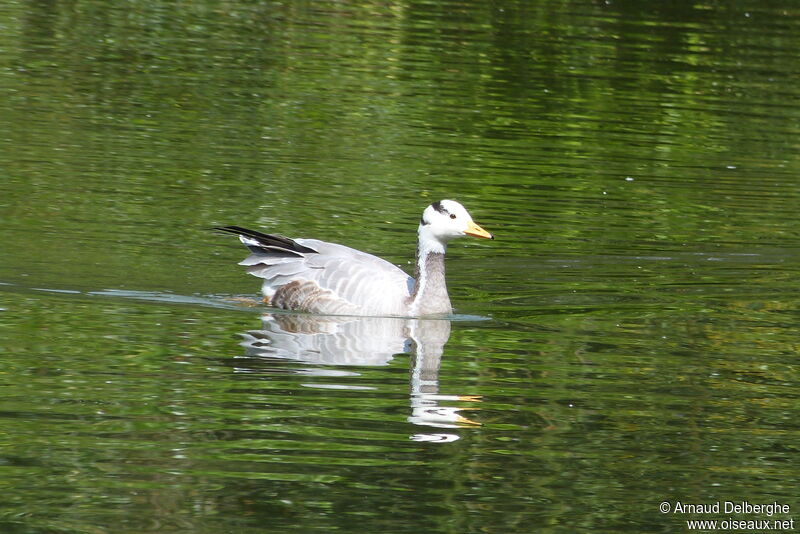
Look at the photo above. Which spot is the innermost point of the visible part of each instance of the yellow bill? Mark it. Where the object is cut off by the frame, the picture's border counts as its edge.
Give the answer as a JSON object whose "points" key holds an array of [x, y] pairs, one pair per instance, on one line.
{"points": [[476, 231]]}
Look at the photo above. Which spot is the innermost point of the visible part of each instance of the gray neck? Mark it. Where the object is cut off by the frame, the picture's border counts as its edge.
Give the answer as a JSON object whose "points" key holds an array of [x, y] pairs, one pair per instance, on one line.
{"points": [[430, 290]]}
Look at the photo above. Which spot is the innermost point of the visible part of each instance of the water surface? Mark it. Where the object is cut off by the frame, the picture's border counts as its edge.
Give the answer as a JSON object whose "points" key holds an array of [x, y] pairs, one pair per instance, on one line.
{"points": [[629, 338]]}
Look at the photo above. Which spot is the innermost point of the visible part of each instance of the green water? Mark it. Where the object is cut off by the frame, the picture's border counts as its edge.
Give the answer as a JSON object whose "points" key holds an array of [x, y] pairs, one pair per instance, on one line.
{"points": [[629, 338]]}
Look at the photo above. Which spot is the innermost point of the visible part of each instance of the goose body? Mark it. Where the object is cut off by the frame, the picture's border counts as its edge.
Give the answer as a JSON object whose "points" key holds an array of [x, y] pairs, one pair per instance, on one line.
{"points": [[327, 278]]}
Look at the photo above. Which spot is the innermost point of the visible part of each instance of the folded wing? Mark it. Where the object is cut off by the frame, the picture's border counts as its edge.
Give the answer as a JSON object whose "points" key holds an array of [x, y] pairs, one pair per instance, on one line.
{"points": [[321, 277]]}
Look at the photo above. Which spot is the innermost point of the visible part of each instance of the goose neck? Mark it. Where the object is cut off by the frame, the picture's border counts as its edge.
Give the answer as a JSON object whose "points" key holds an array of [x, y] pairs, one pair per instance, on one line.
{"points": [[430, 289]]}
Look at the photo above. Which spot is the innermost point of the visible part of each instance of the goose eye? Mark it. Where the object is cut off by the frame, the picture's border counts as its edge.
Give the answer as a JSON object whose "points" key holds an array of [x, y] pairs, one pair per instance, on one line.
{"points": [[452, 215]]}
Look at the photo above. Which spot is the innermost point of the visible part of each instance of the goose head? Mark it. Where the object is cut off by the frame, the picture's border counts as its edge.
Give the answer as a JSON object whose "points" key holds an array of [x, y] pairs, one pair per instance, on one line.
{"points": [[445, 220]]}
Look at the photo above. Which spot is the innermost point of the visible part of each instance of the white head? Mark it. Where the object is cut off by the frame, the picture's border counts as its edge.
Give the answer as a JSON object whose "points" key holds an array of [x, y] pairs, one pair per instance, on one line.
{"points": [[445, 220]]}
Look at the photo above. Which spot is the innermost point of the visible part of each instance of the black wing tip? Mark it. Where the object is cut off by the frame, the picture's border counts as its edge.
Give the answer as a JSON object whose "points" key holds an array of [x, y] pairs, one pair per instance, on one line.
{"points": [[232, 229], [240, 230], [267, 240]]}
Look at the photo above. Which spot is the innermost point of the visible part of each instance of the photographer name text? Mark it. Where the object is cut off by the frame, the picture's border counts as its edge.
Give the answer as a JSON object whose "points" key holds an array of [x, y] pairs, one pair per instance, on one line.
{"points": [[728, 507]]}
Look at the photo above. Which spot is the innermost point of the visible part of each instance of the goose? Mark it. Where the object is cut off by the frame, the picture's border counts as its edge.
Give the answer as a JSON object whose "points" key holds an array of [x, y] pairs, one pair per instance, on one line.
{"points": [[315, 276]]}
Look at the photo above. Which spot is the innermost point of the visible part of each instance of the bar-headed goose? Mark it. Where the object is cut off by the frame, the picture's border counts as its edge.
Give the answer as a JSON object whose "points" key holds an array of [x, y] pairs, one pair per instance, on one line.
{"points": [[327, 278]]}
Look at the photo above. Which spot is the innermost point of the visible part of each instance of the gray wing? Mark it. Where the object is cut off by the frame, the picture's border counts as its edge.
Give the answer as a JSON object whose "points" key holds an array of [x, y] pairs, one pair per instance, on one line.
{"points": [[373, 284], [322, 277]]}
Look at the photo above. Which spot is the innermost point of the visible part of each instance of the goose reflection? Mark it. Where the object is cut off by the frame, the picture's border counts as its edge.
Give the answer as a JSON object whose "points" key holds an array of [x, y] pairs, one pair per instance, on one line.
{"points": [[367, 341]]}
